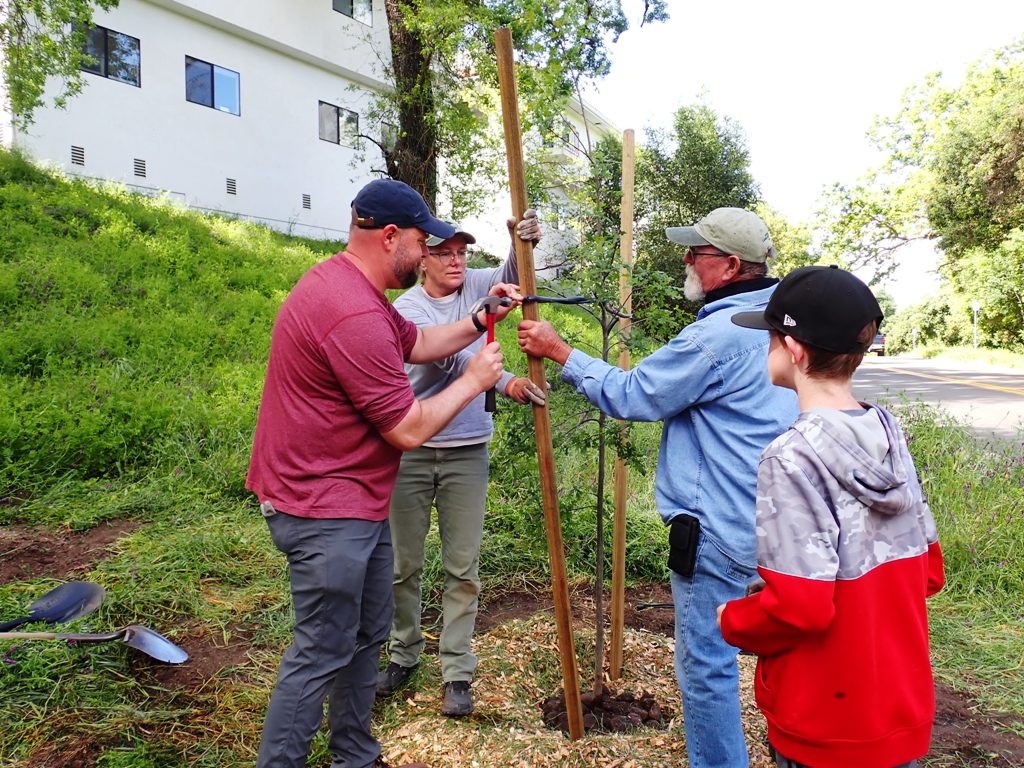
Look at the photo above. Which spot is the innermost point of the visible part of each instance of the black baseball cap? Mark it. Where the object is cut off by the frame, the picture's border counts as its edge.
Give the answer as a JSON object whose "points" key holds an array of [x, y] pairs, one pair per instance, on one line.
{"points": [[825, 307], [389, 201]]}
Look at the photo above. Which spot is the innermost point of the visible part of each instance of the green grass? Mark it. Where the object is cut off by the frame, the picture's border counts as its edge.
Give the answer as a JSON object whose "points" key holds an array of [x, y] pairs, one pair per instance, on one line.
{"points": [[976, 493], [132, 356], [1002, 358]]}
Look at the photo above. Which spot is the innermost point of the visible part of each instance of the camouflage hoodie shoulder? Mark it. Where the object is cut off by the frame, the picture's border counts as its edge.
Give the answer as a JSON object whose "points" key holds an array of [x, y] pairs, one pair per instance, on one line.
{"points": [[848, 550]]}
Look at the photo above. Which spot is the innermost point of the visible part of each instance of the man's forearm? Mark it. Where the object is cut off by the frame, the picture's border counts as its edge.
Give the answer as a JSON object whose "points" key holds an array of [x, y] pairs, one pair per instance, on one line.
{"points": [[437, 342], [429, 416]]}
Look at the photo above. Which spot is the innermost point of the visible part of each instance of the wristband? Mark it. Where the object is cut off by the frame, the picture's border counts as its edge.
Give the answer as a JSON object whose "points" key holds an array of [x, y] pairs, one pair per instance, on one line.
{"points": [[476, 321]]}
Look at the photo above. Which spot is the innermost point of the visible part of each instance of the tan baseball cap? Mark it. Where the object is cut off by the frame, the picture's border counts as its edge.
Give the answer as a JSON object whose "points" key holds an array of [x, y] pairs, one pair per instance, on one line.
{"points": [[730, 230]]}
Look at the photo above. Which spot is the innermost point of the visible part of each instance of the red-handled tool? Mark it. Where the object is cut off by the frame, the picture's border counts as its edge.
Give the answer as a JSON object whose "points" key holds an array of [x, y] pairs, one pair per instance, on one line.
{"points": [[490, 306], [490, 399]]}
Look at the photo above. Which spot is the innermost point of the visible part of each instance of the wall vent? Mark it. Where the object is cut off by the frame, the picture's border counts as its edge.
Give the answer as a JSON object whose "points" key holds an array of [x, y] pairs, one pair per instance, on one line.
{"points": [[232, 187], [140, 168], [77, 155], [307, 202]]}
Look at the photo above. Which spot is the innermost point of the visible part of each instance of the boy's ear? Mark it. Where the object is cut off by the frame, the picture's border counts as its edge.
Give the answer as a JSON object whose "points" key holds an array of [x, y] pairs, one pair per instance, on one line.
{"points": [[797, 351]]}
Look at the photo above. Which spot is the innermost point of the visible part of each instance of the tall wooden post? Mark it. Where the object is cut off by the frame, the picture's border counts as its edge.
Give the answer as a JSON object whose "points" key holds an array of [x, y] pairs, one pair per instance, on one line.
{"points": [[621, 476], [541, 416]]}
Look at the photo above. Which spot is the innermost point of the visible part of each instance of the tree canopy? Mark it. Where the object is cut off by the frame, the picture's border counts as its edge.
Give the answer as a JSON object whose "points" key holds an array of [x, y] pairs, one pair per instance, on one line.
{"points": [[40, 39], [701, 164], [954, 174], [444, 70]]}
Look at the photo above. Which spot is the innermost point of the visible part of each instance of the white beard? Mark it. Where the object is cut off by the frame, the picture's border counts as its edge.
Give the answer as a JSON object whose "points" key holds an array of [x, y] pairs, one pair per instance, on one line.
{"points": [[692, 289]]}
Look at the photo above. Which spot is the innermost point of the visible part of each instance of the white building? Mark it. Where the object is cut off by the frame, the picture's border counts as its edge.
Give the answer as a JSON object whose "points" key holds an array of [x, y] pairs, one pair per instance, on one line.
{"points": [[249, 109], [245, 108]]}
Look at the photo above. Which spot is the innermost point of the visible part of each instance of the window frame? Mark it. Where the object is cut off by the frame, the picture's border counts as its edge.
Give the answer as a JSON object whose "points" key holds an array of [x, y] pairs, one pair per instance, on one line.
{"points": [[341, 137], [213, 71], [103, 62], [358, 10]]}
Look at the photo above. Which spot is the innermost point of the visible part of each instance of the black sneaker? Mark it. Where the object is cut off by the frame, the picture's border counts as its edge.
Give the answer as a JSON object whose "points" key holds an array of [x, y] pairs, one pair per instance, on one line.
{"points": [[457, 701], [393, 678]]}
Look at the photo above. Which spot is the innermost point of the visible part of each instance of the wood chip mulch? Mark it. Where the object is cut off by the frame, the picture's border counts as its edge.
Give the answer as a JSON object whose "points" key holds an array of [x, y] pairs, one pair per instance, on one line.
{"points": [[518, 669]]}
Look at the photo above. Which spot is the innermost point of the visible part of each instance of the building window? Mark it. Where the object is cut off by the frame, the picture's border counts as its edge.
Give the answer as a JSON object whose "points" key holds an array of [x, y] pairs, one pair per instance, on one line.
{"points": [[339, 125], [113, 55], [307, 202], [77, 155], [140, 167], [360, 10], [212, 86], [572, 139], [388, 136], [232, 187]]}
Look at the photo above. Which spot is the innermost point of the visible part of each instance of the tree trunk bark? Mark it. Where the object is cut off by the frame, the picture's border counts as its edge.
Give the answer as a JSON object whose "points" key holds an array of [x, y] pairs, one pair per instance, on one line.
{"points": [[414, 156]]}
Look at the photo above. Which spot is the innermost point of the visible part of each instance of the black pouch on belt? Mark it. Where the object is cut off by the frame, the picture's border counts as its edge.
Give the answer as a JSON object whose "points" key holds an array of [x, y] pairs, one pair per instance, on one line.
{"points": [[683, 538]]}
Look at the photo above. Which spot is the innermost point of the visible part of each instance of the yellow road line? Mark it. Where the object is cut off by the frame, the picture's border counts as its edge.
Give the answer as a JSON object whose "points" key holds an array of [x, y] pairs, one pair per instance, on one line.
{"points": [[965, 382]]}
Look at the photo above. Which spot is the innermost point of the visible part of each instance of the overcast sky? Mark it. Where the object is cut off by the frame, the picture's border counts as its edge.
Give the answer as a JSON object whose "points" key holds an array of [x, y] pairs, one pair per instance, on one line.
{"points": [[804, 79]]}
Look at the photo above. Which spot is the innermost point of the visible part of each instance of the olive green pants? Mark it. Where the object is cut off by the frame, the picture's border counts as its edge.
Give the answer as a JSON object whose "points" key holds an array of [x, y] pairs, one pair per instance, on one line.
{"points": [[454, 480]]}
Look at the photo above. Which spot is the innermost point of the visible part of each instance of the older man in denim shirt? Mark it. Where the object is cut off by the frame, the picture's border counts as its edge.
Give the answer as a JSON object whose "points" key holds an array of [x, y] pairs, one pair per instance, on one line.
{"points": [[710, 387]]}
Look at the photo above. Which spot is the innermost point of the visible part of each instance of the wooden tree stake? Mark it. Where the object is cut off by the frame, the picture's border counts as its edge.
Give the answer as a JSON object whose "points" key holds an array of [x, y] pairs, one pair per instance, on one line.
{"points": [[541, 417], [620, 473]]}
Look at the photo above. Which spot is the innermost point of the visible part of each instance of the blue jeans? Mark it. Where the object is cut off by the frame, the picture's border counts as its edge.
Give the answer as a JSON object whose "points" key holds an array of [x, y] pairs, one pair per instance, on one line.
{"points": [[705, 664], [340, 573]]}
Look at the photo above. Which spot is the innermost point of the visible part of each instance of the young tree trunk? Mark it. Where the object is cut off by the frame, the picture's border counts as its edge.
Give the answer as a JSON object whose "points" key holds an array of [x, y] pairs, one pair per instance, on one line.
{"points": [[606, 328], [414, 156]]}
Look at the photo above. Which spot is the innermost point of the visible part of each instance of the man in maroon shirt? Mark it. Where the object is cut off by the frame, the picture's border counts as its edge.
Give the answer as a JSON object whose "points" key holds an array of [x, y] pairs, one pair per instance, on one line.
{"points": [[337, 412]]}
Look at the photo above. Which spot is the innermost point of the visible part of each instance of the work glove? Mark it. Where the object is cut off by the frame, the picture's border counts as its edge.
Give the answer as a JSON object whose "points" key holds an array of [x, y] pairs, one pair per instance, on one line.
{"points": [[528, 228], [523, 390]]}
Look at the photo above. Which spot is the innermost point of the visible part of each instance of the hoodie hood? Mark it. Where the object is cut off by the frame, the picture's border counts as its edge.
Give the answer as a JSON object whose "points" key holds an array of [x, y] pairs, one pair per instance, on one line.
{"points": [[862, 452]]}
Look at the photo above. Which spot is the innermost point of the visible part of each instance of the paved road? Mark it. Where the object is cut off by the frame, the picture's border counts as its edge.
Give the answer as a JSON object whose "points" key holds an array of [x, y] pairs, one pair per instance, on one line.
{"points": [[989, 400]]}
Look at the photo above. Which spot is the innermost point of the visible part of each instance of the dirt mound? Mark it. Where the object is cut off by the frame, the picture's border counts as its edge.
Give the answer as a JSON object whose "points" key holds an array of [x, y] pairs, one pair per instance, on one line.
{"points": [[606, 711]]}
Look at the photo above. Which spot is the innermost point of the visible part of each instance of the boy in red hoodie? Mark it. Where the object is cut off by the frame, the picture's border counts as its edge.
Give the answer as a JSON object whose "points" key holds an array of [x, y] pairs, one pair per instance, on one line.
{"points": [[847, 548]]}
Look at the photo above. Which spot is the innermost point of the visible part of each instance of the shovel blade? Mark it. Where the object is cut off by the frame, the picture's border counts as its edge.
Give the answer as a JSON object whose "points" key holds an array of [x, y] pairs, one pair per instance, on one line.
{"points": [[153, 644], [68, 601], [62, 604]]}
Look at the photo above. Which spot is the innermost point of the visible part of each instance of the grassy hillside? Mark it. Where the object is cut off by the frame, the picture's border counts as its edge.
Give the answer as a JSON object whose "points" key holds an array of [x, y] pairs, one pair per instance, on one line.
{"points": [[134, 338]]}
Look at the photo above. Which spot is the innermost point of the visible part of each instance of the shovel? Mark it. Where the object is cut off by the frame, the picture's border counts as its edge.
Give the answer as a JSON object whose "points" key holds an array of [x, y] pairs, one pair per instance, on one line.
{"points": [[140, 638], [62, 604]]}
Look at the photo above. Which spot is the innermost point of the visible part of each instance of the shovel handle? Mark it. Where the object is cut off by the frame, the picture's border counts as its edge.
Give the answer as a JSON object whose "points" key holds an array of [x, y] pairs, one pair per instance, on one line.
{"points": [[58, 636]]}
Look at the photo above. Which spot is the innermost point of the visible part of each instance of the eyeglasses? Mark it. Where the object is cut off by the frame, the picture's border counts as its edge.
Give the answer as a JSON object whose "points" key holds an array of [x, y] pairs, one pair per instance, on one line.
{"points": [[694, 254], [450, 257]]}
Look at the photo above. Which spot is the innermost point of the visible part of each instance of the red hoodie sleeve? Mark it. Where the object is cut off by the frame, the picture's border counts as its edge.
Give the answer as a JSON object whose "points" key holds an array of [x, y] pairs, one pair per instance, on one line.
{"points": [[780, 616], [936, 569], [799, 571]]}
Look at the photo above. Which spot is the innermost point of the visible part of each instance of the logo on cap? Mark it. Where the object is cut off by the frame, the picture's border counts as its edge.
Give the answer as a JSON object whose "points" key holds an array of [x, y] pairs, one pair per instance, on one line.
{"points": [[787, 320]]}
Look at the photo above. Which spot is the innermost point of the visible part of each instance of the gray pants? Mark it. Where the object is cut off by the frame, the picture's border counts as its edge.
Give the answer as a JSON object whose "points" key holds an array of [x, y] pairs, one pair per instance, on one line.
{"points": [[455, 479], [785, 762], [340, 573]]}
